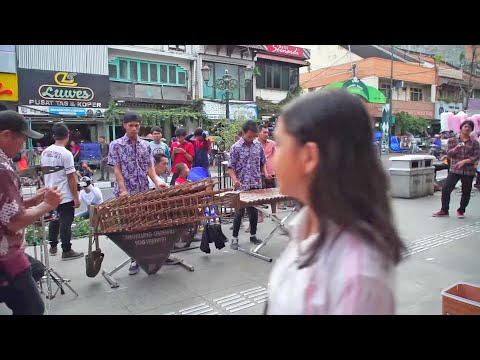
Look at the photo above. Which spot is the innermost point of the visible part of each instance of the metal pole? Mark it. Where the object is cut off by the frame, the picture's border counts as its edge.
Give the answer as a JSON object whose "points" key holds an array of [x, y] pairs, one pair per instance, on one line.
{"points": [[227, 103], [390, 112]]}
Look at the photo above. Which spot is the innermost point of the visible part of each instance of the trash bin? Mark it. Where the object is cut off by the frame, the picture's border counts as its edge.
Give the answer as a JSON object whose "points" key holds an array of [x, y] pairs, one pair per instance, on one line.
{"points": [[461, 299], [407, 176], [428, 175]]}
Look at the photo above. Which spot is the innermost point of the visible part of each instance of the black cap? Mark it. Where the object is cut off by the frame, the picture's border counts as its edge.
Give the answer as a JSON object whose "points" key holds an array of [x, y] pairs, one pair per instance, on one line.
{"points": [[13, 121], [131, 116], [60, 131]]}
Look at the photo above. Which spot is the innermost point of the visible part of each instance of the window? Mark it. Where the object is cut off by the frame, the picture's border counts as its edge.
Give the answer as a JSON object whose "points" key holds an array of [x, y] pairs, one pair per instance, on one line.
{"points": [[147, 72], [134, 71], [112, 71], [276, 76], [177, 47], [143, 72], [154, 73], [237, 72], [416, 94], [385, 89]]}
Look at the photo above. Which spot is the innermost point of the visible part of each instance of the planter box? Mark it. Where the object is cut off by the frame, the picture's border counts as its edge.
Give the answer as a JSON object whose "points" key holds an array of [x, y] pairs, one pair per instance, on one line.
{"points": [[461, 299]]}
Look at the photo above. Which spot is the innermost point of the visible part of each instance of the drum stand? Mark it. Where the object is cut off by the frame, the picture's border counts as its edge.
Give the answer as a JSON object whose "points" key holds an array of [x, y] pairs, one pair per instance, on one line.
{"points": [[50, 274], [280, 225]]}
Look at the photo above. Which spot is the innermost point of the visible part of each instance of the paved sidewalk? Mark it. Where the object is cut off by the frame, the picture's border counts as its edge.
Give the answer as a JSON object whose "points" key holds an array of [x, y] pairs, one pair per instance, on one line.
{"points": [[442, 251]]}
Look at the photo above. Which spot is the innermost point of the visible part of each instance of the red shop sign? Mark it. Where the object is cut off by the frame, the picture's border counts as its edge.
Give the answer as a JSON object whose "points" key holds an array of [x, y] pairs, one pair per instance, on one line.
{"points": [[286, 50]]}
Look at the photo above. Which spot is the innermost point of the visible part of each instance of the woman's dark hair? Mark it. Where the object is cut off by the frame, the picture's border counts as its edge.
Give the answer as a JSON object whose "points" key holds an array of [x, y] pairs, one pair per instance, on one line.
{"points": [[198, 132], [469, 123], [156, 129], [181, 132], [250, 125], [339, 124]]}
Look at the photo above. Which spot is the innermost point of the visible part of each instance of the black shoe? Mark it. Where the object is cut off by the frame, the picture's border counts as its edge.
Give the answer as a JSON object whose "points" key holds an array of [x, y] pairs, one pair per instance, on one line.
{"points": [[253, 239], [101, 179], [53, 250], [70, 255]]}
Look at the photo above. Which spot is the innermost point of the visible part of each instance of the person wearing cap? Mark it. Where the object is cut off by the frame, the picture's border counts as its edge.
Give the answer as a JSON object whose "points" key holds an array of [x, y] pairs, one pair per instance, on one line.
{"points": [[58, 157], [89, 195], [17, 285], [132, 161]]}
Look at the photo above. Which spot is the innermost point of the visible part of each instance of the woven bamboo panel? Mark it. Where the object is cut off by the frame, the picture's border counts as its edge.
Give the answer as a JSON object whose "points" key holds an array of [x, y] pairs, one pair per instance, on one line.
{"points": [[156, 209]]}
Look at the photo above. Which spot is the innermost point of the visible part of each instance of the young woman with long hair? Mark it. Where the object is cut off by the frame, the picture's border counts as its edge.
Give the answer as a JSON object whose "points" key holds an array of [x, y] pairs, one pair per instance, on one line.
{"points": [[343, 245]]}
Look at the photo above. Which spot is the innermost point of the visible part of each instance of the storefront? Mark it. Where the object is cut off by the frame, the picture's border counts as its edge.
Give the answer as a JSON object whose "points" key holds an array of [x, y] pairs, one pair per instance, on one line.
{"points": [[79, 100]]}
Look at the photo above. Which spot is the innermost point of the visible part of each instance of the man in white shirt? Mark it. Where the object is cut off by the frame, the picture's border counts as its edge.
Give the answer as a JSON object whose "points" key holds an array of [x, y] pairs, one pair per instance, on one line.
{"points": [[159, 147], [161, 166], [89, 195], [63, 177]]}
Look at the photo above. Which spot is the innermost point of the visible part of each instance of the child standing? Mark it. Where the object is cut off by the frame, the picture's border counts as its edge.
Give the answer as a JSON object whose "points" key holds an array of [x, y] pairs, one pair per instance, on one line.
{"points": [[182, 170]]}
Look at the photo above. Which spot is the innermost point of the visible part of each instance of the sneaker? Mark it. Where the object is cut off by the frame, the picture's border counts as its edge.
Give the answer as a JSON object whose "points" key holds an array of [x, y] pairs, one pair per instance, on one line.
{"points": [[101, 179], [253, 239], [441, 213], [53, 250], [70, 255], [133, 269], [460, 215], [234, 244]]}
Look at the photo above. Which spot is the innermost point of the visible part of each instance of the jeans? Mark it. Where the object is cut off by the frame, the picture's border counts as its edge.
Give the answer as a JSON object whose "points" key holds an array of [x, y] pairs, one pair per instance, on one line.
{"points": [[21, 295], [103, 167], [66, 213], [84, 215], [253, 217], [449, 186]]}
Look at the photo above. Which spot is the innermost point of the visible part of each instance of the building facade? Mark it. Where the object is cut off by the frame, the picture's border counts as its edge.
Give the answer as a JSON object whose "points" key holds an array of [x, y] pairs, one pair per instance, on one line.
{"points": [[233, 59], [8, 77], [152, 77], [414, 89], [64, 83]]}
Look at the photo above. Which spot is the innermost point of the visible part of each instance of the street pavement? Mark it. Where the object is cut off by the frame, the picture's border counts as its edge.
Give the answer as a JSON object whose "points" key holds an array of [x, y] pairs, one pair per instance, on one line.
{"points": [[440, 253]]}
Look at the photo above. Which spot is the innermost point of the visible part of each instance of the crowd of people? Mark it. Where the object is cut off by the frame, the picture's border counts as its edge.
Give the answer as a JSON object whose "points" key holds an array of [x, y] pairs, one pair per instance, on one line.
{"points": [[343, 248]]}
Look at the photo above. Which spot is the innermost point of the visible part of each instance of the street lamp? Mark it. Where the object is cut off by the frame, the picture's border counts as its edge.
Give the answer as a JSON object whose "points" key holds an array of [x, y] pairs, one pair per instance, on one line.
{"points": [[227, 83]]}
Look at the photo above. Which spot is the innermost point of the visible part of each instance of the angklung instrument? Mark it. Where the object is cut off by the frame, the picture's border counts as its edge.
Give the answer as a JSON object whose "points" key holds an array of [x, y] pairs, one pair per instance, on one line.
{"points": [[148, 226]]}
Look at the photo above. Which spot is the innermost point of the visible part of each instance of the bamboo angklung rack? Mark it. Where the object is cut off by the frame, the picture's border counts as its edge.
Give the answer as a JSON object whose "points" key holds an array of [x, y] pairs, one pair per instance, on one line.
{"points": [[159, 209]]}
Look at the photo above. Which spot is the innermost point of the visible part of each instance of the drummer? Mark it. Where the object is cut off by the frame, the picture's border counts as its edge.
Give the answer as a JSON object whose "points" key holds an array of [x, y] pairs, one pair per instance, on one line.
{"points": [[246, 166]]}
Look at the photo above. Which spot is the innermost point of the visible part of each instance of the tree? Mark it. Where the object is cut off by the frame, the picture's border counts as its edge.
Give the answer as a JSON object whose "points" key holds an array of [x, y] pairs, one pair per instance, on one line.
{"points": [[410, 123], [472, 68]]}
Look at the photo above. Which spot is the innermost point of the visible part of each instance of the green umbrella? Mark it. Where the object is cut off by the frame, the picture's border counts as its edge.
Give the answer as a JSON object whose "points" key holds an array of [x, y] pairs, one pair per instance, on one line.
{"points": [[369, 93]]}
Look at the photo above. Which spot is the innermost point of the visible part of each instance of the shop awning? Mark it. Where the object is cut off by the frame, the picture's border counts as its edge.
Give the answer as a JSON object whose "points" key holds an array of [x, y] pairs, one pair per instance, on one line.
{"points": [[282, 59], [369, 93]]}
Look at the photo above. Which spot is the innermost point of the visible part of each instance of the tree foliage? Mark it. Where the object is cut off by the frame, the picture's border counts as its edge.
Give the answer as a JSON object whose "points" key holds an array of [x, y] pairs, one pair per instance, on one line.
{"points": [[150, 117], [410, 123]]}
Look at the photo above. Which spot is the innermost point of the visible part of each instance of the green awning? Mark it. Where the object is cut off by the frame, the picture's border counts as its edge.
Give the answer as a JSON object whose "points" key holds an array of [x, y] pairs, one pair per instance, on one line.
{"points": [[369, 93]]}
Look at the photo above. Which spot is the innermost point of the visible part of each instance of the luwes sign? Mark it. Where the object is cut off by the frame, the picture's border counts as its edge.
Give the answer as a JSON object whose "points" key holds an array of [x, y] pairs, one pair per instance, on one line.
{"points": [[40, 88]]}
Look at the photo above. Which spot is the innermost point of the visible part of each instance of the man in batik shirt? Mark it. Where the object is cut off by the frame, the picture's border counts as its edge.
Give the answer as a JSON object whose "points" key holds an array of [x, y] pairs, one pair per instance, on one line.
{"points": [[246, 166], [132, 161]]}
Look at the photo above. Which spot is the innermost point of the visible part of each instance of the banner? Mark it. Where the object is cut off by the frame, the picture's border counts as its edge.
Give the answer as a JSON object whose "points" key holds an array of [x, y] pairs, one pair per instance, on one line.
{"points": [[62, 93], [238, 111], [150, 249]]}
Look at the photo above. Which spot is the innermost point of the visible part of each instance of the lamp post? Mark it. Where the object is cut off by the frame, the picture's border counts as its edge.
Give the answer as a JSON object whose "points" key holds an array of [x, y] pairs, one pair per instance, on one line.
{"points": [[227, 83]]}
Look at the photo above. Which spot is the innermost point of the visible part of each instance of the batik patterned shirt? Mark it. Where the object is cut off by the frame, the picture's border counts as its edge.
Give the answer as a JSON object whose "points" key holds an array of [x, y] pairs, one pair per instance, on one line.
{"points": [[12, 245], [134, 160], [246, 160]]}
